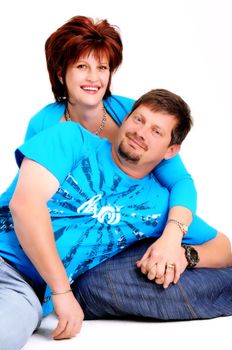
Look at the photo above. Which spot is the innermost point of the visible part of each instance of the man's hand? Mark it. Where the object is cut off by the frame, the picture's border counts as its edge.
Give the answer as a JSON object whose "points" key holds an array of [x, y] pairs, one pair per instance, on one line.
{"points": [[164, 261], [70, 316]]}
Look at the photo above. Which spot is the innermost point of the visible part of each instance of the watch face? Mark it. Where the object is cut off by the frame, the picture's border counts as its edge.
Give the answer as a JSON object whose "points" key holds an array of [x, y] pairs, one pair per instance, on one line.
{"points": [[191, 256], [194, 255]]}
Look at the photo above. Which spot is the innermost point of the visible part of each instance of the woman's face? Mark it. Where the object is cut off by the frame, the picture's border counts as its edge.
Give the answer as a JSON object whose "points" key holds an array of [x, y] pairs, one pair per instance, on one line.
{"points": [[87, 80]]}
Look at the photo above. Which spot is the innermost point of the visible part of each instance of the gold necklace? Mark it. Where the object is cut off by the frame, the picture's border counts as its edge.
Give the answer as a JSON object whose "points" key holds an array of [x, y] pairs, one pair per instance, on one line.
{"points": [[68, 119]]}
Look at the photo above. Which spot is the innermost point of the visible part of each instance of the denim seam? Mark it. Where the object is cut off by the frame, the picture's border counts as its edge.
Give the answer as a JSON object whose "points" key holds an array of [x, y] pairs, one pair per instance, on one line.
{"points": [[186, 301], [112, 289]]}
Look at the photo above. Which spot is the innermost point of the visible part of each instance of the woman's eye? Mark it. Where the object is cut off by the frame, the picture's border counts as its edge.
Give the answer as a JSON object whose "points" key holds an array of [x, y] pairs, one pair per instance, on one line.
{"points": [[81, 66], [102, 68]]}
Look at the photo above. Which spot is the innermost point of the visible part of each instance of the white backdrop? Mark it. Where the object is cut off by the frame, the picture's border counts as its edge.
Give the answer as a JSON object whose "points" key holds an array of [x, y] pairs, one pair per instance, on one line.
{"points": [[181, 45]]}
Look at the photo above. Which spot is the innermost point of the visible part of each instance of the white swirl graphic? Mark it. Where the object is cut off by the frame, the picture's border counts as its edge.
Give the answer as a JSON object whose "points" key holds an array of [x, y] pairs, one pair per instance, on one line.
{"points": [[111, 214], [90, 207]]}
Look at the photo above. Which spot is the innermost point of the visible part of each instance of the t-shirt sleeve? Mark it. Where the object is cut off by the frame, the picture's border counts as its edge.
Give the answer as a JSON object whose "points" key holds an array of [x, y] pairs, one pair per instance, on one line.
{"points": [[174, 176], [118, 107], [47, 117], [57, 149]]}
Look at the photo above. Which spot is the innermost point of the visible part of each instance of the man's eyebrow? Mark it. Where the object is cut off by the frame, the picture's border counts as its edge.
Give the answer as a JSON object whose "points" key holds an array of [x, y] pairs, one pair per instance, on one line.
{"points": [[157, 126]]}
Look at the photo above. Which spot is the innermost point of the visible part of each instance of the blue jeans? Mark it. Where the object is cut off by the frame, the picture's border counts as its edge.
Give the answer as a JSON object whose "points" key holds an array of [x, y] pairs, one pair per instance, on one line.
{"points": [[20, 309], [117, 289]]}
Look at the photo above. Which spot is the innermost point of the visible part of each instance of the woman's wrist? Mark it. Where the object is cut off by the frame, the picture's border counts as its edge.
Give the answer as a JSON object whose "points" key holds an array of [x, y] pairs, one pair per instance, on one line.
{"points": [[183, 228]]}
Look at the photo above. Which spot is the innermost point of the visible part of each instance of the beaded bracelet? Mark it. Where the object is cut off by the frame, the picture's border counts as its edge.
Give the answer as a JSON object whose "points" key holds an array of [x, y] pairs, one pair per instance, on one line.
{"points": [[64, 292]]}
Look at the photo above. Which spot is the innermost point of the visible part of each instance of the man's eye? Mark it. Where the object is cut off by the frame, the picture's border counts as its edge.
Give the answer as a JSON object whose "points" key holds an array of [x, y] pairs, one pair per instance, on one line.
{"points": [[157, 132], [137, 119]]}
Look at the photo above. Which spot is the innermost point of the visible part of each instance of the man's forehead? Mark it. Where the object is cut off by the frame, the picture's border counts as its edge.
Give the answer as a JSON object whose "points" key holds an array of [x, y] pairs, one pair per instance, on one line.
{"points": [[147, 112]]}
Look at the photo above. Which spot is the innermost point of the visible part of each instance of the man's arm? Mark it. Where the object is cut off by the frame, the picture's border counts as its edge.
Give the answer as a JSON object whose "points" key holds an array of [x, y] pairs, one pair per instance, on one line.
{"points": [[215, 253], [32, 223]]}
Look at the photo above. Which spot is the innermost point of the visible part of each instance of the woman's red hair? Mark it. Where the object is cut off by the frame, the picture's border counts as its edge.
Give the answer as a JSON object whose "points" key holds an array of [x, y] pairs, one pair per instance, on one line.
{"points": [[79, 37]]}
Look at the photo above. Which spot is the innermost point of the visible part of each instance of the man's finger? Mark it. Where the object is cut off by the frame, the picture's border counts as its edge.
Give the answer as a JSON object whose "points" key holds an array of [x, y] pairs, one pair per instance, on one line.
{"points": [[160, 269], [144, 258], [59, 329], [143, 267], [159, 280], [152, 272]]}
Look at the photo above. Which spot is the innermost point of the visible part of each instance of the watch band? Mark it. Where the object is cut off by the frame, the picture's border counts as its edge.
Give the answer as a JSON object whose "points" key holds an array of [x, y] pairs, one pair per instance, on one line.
{"points": [[182, 227]]}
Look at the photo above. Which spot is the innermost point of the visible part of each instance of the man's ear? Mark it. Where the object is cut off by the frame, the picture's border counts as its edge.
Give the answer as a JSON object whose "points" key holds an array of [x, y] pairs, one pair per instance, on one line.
{"points": [[172, 151]]}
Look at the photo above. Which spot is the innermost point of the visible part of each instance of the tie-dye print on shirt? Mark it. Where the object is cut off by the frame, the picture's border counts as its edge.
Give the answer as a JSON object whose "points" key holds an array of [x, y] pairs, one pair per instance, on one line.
{"points": [[98, 209]]}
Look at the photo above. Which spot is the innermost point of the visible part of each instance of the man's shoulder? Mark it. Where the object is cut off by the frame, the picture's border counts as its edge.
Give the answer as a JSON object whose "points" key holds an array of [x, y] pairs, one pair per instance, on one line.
{"points": [[71, 132]]}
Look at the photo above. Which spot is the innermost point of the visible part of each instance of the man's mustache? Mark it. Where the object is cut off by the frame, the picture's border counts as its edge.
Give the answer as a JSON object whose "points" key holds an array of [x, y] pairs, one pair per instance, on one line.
{"points": [[138, 139]]}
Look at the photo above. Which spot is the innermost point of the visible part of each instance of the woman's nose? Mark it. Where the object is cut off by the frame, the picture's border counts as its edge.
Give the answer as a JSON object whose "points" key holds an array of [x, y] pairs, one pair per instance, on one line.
{"points": [[92, 75]]}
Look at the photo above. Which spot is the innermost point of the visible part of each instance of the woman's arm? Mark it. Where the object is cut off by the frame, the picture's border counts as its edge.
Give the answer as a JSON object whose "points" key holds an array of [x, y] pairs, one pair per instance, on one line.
{"points": [[32, 223], [173, 175], [167, 249]]}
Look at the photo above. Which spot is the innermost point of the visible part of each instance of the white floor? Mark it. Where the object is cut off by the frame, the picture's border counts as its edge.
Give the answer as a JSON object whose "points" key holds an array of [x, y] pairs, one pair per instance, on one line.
{"points": [[119, 335]]}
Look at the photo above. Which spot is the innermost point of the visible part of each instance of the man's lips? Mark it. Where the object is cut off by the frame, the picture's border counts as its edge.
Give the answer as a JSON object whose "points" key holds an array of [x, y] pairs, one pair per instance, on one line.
{"points": [[137, 141]]}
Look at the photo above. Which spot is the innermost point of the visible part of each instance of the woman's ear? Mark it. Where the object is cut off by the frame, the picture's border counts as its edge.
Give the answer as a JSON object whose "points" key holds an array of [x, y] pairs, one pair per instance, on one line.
{"points": [[60, 76], [172, 151]]}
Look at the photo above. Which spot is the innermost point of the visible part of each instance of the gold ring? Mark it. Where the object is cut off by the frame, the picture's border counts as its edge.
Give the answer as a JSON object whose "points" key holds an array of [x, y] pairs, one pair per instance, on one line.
{"points": [[170, 266]]}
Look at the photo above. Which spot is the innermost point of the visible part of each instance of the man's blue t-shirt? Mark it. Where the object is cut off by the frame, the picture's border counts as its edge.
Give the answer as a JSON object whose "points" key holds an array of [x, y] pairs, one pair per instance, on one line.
{"points": [[171, 173], [97, 211]]}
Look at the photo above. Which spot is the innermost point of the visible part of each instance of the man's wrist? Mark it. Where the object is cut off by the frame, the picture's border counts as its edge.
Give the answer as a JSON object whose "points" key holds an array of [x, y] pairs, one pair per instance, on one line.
{"points": [[55, 292], [191, 255]]}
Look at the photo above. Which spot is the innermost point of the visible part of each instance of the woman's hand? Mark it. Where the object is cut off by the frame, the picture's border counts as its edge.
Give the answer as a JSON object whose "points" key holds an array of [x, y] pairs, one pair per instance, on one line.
{"points": [[164, 261]]}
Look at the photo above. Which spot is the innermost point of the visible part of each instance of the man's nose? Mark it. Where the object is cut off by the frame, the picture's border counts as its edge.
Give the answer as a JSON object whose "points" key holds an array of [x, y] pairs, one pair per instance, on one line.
{"points": [[142, 131]]}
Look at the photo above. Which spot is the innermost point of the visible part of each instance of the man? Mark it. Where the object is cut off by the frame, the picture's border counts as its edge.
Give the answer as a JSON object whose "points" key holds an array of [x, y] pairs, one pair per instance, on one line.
{"points": [[101, 199]]}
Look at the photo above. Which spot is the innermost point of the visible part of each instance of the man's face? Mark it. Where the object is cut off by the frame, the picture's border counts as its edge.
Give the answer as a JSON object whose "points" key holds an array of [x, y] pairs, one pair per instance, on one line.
{"points": [[145, 136]]}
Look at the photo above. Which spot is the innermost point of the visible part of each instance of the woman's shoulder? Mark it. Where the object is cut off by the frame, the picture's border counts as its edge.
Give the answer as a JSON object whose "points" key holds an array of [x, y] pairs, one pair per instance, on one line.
{"points": [[46, 117], [118, 106], [120, 102], [51, 113]]}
